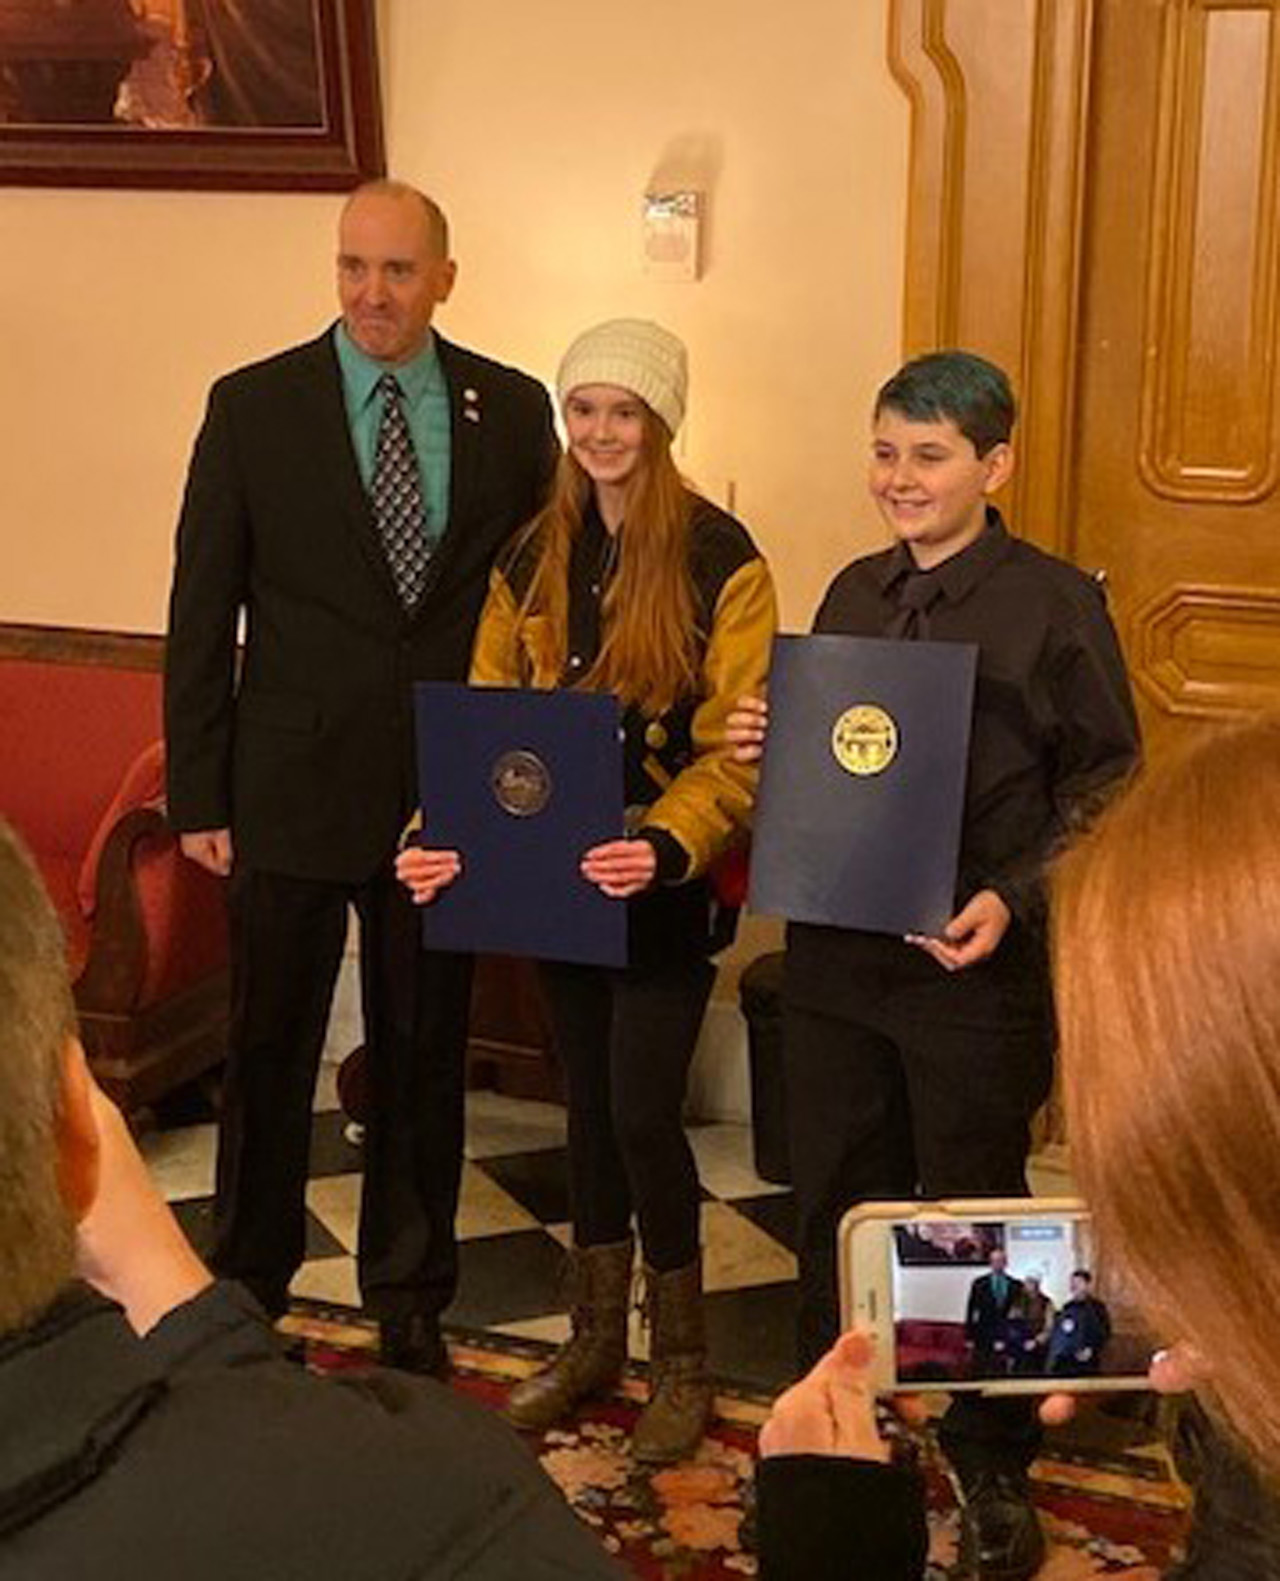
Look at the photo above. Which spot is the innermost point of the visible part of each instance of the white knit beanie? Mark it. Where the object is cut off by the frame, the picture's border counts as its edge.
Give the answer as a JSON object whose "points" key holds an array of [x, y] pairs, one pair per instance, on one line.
{"points": [[635, 355]]}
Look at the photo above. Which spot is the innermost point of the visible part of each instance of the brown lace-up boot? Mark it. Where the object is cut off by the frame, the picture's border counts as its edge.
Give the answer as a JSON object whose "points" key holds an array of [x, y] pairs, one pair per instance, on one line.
{"points": [[680, 1393], [592, 1359]]}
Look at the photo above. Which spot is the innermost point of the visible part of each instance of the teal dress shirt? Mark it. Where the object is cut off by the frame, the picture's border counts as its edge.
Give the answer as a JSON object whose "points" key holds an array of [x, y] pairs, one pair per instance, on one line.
{"points": [[426, 409]]}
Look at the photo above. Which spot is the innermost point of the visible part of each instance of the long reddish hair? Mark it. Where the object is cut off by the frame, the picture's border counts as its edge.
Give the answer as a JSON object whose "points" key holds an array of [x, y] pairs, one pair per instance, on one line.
{"points": [[1167, 967], [649, 638]]}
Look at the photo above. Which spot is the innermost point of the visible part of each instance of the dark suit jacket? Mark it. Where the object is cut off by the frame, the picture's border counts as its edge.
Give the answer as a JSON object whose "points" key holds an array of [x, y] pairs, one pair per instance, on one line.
{"points": [[986, 1320], [307, 754]]}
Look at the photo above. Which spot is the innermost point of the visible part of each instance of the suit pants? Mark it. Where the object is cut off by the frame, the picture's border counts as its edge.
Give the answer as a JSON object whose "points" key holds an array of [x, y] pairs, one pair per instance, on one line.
{"points": [[287, 939], [924, 1086]]}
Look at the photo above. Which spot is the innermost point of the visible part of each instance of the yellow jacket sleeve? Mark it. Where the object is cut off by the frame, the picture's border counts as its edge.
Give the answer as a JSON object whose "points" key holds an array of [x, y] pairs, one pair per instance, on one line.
{"points": [[707, 807], [495, 652]]}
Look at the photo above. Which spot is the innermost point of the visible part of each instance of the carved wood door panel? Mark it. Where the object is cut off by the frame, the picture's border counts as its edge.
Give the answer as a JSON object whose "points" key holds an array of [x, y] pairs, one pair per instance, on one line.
{"points": [[1095, 203], [1177, 454]]}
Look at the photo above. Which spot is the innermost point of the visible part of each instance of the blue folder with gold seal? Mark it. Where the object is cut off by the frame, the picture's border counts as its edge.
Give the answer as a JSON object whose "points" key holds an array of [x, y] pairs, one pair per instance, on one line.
{"points": [[862, 786], [521, 783]]}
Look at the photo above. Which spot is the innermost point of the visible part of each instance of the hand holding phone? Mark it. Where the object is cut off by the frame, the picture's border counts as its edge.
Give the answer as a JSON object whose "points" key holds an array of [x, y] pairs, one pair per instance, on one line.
{"points": [[831, 1411], [999, 1297]]}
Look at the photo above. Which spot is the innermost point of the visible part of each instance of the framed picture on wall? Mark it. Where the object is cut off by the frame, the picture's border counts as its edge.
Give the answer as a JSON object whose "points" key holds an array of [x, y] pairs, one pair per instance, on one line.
{"points": [[232, 94], [952, 1242]]}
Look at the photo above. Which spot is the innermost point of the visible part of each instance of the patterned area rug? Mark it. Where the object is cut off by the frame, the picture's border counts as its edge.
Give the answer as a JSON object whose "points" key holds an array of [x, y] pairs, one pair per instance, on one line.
{"points": [[1117, 1513]]}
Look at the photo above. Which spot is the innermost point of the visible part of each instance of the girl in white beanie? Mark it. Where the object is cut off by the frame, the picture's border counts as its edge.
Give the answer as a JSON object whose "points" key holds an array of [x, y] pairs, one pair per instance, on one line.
{"points": [[632, 583]]}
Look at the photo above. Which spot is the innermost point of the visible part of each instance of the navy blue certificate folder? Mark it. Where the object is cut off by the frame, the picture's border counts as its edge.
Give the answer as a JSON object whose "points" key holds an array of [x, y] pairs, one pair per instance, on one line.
{"points": [[862, 785], [521, 783]]}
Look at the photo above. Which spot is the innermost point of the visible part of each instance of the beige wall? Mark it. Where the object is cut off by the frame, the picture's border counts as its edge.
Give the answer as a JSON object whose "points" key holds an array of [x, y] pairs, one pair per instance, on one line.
{"points": [[539, 124]]}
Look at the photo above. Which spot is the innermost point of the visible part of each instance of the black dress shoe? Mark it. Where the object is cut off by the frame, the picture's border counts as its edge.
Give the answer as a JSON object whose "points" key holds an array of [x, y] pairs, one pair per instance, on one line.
{"points": [[1000, 1535], [414, 1344]]}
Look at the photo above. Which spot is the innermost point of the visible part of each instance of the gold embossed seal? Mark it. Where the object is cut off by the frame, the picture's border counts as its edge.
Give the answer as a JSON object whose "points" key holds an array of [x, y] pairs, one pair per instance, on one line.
{"points": [[521, 783], [864, 740]]}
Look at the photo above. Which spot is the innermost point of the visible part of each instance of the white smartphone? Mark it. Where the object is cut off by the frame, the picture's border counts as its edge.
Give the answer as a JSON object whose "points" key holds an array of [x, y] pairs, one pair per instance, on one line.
{"points": [[1003, 1296]]}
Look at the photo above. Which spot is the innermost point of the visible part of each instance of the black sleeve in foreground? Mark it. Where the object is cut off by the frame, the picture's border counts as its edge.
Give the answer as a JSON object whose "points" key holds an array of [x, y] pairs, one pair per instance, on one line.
{"points": [[209, 588], [829, 1518], [222, 1325]]}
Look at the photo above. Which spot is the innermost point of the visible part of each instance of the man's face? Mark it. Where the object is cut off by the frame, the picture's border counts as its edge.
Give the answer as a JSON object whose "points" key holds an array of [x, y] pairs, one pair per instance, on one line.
{"points": [[930, 484], [997, 1262], [391, 275], [1079, 1287]]}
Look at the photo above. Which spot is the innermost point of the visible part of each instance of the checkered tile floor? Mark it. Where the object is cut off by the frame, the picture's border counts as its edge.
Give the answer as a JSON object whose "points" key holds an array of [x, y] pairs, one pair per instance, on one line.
{"points": [[513, 1224]]}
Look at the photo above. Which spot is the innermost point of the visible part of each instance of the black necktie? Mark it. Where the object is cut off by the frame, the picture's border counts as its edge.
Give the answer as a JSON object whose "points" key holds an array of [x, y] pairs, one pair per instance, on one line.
{"points": [[396, 492], [910, 620]]}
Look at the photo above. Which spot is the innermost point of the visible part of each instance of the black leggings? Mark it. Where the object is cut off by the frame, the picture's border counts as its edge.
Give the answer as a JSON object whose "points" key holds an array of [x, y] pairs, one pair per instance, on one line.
{"points": [[626, 1039]]}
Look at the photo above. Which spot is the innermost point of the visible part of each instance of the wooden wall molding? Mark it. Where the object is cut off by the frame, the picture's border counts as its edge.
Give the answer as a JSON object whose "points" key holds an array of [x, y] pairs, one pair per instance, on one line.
{"points": [[1210, 652], [1212, 391], [120, 650], [929, 74]]}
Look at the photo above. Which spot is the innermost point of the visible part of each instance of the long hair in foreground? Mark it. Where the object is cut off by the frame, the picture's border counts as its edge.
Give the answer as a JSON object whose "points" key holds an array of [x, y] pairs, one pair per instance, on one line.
{"points": [[649, 649], [1166, 941], [36, 1019]]}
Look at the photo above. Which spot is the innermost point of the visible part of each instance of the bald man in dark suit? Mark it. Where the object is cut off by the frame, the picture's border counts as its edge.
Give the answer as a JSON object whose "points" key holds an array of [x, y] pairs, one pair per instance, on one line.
{"points": [[350, 523], [993, 1298]]}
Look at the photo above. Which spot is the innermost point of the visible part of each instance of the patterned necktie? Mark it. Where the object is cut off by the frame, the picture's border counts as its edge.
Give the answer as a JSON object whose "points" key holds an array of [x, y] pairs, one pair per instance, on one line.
{"points": [[396, 492], [911, 619]]}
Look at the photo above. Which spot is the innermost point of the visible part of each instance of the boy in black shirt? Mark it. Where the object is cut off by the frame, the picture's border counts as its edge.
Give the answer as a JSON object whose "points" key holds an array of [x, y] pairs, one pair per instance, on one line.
{"points": [[914, 1066], [1081, 1331]]}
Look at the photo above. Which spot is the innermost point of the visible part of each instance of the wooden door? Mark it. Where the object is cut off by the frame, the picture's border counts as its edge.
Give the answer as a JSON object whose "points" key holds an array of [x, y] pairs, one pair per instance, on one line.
{"points": [[1096, 204], [1178, 417]]}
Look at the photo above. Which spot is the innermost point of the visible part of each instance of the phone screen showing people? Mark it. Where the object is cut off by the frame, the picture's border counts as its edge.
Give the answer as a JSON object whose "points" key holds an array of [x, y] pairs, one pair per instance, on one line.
{"points": [[1010, 1298]]}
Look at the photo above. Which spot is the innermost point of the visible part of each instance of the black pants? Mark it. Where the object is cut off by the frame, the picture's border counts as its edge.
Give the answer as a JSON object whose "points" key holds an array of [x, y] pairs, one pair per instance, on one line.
{"points": [[287, 937], [924, 1085], [626, 1039], [929, 1093]]}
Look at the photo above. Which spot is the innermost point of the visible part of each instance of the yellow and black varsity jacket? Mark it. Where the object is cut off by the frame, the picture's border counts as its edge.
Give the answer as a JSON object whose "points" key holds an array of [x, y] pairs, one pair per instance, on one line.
{"points": [[684, 790]]}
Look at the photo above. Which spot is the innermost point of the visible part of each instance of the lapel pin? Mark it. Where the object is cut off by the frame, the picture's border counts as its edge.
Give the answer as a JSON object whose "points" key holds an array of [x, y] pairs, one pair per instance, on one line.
{"points": [[470, 408]]}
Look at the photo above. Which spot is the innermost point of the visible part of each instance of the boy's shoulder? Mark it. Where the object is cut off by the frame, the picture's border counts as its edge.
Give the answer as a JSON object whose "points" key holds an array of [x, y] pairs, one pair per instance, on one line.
{"points": [[853, 599], [1062, 585], [1041, 582], [873, 567]]}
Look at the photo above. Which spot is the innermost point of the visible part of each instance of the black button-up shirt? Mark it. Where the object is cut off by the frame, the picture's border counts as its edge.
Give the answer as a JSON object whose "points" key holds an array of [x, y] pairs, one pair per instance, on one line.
{"points": [[1054, 727]]}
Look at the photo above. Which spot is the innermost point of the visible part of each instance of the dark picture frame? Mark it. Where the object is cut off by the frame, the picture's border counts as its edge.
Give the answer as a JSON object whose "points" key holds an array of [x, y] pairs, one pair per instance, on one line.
{"points": [[65, 75], [950, 1243]]}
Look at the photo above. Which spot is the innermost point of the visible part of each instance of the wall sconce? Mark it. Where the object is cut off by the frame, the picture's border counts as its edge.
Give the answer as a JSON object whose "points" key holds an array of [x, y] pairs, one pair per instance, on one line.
{"points": [[670, 236]]}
